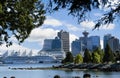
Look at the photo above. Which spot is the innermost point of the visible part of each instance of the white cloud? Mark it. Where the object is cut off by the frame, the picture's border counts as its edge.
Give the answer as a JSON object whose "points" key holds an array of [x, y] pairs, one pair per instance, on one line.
{"points": [[39, 34], [107, 27], [72, 27], [91, 24], [57, 23], [87, 24], [53, 22], [16, 47]]}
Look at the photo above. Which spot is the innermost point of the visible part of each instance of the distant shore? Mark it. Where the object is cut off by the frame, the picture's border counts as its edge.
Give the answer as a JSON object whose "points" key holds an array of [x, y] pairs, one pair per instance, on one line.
{"points": [[97, 67]]}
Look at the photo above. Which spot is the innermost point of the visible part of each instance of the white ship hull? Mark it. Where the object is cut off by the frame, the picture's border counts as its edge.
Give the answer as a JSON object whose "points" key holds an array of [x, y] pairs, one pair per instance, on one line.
{"points": [[28, 59]]}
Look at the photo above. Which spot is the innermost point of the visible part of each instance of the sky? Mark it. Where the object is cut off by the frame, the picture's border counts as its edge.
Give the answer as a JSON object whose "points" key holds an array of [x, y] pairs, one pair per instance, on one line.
{"points": [[60, 20]]}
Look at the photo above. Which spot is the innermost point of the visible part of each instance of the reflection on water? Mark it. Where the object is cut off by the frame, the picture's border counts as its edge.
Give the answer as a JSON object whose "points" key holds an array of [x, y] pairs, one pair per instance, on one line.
{"points": [[5, 71]]}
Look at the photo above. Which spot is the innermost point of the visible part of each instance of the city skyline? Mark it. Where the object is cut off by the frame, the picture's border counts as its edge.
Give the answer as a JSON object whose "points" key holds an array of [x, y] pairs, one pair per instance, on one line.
{"points": [[53, 24], [85, 42], [70, 42]]}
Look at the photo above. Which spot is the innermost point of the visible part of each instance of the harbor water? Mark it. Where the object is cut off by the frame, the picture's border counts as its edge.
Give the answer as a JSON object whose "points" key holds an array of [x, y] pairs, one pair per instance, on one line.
{"points": [[5, 71]]}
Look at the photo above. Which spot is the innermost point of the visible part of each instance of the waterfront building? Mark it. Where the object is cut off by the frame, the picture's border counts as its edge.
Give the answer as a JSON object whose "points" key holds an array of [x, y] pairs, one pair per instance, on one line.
{"points": [[57, 44], [105, 40], [75, 46], [95, 42], [85, 42], [47, 44], [53, 44], [112, 42], [64, 36], [53, 47], [91, 42]]}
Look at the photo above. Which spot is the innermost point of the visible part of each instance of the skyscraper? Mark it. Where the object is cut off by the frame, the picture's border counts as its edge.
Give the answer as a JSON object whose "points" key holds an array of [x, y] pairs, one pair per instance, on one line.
{"points": [[57, 44], [47, 44], [114, 44], [105, 40], [95, 42], [79, 45], [64, 36], [53, 47], [52, 44], [76, 47]]}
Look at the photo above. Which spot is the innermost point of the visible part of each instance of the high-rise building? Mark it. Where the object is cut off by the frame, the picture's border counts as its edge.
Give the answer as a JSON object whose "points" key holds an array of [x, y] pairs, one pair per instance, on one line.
{"points": [[114, 44], [85, 42], [64, 36], [57, 44], [95, 42], [76, 47], [47, 44], [52, 44], [105, 40], [53, 47]]}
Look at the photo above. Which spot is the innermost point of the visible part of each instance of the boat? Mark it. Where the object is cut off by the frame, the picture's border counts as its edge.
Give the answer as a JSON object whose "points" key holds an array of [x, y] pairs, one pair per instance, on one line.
{"points": [[29, 59]]}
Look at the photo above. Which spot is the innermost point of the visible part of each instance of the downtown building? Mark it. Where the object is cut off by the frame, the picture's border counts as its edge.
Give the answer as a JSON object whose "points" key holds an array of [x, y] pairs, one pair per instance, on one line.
{"points": [[64, 36], [53, 47], [105, 40], [79, 45], [112, 42]]}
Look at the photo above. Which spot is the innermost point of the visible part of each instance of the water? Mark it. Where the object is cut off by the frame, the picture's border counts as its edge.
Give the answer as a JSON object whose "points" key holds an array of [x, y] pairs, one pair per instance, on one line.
{"points": [[6, 72]]}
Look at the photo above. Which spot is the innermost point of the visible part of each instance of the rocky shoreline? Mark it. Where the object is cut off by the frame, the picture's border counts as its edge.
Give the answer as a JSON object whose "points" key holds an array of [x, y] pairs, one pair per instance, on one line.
{"points": [[98, 67]]}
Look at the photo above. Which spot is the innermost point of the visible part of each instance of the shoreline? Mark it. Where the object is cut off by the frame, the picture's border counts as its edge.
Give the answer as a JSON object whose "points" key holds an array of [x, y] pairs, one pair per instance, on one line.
{"points": [[47, 68], [82, 67]]}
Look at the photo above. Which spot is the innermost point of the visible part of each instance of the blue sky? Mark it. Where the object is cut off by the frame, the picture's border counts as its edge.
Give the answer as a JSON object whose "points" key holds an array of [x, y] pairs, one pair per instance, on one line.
{"points": [[61, 20]]}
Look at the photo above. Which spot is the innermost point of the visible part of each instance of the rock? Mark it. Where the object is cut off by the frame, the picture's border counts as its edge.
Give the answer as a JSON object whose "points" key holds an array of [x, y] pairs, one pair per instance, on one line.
{"points": [[12, 77], [86, 76], [56, 76]]}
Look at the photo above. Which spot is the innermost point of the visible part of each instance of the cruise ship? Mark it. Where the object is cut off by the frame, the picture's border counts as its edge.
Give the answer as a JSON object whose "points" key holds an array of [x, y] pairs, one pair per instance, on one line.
{"points": [[15, 58], [29, 59]]}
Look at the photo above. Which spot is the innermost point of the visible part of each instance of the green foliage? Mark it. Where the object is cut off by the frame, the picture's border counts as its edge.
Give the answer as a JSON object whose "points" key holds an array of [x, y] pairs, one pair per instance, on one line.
{"points": [[69, 58], [100, 52], [96, 57], [87, 56], [80, 8], [108, 55], [18, 18], [78, 59]]}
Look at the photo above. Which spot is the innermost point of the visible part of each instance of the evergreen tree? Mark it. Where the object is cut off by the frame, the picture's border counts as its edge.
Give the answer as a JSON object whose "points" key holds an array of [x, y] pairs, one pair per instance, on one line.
{"points": [[87, 56], [100, 52], [108, 55], [78, 59], [18, 18], [96, 57], [69, 58]]}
